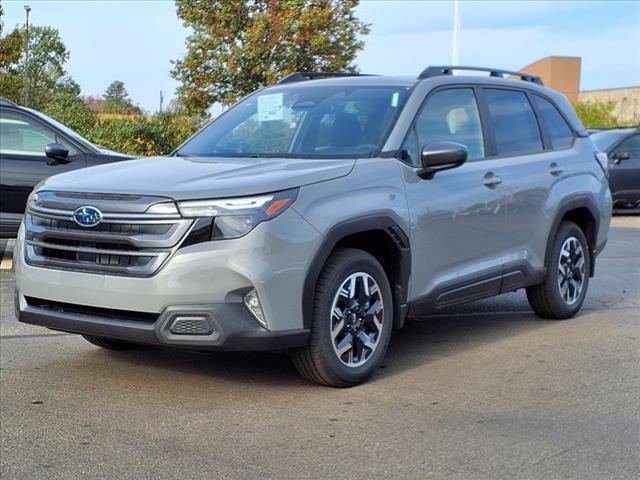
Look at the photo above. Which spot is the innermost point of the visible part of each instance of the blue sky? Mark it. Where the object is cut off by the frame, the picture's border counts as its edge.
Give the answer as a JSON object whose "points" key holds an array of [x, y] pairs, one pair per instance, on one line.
{"points": [[134, 41]]}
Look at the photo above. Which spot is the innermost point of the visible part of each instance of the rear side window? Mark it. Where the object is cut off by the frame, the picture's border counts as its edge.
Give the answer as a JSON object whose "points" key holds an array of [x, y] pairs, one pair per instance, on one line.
{"points": [[558, 130], [514, 123]]}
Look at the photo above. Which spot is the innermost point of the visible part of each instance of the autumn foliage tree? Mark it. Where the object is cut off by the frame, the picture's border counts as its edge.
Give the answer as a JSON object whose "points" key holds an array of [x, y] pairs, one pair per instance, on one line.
{"points": [[43, 76], [11, 48], [239, 46]]}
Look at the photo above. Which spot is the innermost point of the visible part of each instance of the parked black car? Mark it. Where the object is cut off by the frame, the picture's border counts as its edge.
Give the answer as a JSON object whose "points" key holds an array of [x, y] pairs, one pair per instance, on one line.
{"points": [[622, 146], [33, 147]]}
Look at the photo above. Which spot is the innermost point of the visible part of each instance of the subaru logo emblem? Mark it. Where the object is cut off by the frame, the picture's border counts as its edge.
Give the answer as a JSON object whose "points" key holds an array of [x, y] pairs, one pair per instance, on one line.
{"points": [[87, 216]]}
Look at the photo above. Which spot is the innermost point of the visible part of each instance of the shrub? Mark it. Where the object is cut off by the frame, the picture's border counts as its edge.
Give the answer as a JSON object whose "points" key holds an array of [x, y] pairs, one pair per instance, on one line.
{"points": [[140, 136], [72, 111], [596, 114]]}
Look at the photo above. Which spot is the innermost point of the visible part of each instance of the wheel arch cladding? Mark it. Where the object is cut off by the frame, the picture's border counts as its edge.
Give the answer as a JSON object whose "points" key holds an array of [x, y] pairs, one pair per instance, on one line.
{"points": [[582, 211], [378, 235]]}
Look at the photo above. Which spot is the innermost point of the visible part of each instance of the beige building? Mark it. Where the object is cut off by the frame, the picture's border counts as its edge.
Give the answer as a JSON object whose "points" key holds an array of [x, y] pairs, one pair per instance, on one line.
{"points": [[563, 74], [627, 100]]}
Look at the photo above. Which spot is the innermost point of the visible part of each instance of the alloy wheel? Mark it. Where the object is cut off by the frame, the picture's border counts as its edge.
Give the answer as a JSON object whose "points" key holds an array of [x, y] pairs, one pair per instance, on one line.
{"points": [[571, 270], [357, 315]]}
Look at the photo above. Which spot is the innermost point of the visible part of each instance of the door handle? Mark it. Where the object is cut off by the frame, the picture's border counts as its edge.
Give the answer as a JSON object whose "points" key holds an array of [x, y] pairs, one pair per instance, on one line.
{"points": [[555, 169], [491, 180]]}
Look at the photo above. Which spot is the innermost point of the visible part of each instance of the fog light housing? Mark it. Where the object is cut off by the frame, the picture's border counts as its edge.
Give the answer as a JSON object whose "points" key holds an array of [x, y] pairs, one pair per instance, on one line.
{"points": [[252, 302]]}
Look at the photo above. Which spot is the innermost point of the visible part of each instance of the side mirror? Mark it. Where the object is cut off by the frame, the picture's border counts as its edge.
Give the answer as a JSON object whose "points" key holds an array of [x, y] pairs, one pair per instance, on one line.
{"points": [[438, 156], [57, 153], [619, 156]]}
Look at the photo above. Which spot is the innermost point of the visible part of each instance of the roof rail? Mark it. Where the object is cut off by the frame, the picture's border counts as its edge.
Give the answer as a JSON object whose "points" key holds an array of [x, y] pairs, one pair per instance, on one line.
{"points": [[430, 72], [7, 103], [300, 76]]}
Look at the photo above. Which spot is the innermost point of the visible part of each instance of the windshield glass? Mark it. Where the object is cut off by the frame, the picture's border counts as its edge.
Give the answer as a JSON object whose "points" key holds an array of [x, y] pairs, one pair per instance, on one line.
{"points": [[303, 122], [603, 140]]}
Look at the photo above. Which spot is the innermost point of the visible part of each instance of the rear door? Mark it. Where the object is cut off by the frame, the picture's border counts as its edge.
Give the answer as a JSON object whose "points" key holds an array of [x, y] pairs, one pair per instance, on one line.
{"points": [[458, 216], [624, 170], [23, 162], [534, 144]]}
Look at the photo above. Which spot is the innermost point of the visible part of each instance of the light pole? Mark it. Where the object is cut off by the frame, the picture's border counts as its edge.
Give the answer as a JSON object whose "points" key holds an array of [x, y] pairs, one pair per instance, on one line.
{"points": [[27, 9], [455, 60]]}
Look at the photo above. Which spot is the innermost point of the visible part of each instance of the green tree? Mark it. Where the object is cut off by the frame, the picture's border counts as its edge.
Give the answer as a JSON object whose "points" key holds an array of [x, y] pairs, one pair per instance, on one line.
{"points": [[11, 48], [596, 114], [116, 99], [237, 47], [68, 107], [45, 71]]}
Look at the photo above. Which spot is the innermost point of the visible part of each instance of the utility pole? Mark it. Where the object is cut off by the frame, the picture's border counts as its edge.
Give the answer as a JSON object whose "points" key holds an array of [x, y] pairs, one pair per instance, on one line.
{"points": [[27, 9], [455, 60], [161, 99]]}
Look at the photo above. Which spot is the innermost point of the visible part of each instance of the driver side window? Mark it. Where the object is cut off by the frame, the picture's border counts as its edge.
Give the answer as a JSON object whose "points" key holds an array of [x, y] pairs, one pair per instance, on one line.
{"points": [[451, 116], [631, 146], [20, 135]]}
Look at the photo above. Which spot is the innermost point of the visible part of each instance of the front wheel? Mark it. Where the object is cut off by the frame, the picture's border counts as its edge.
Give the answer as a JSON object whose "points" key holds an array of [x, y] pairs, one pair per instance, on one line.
{"points": [[351, 323], [562, 293]]}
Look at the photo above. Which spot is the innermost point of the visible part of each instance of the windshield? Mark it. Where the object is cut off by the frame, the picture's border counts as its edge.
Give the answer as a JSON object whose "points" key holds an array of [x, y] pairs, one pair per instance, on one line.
{"points": [[303, 122], [66, 130], [603, 140]]}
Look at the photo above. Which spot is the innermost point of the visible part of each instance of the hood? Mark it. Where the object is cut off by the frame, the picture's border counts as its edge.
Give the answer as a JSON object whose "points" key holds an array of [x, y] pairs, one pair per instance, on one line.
{"points": [[183, 178]]}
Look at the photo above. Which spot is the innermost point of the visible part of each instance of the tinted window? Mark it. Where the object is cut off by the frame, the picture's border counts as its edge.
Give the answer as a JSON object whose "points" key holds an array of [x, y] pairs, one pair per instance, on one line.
{"points": [[452, 116], [309, 121], [560, 133], [514, 123], [631, 146], [20, 135]]}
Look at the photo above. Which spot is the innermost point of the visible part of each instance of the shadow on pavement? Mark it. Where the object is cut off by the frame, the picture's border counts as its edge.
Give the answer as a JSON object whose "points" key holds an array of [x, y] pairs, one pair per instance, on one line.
{"points": [[418, 343]]}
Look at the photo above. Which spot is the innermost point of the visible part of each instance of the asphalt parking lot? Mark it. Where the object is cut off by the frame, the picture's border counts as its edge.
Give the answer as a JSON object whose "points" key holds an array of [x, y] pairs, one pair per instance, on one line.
{"points": [[485, 390]]}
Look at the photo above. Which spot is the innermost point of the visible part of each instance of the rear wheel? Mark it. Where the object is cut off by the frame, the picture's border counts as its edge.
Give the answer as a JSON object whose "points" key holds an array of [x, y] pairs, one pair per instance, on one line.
{"points": [[562, 293], [109, 343], [352, 321]]}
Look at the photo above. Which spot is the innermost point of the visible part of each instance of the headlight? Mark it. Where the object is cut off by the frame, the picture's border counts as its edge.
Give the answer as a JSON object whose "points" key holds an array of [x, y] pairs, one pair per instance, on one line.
{"points": [[31, 201], [235, 217]]}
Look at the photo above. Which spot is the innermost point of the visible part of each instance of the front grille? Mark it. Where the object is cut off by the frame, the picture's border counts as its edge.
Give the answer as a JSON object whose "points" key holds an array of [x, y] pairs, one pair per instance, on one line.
{"points": [[72, 308], [114, 228], [126, 242]]}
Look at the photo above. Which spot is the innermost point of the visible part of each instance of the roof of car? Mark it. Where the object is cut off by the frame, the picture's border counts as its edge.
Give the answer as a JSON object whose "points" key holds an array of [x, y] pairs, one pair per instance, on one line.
{"points": [[5, 102], [622, 131], [409, 81]]}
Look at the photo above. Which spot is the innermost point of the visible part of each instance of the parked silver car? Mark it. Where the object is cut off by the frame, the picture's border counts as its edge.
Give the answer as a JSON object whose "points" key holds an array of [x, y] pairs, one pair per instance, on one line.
{"points": [[318, 214]]}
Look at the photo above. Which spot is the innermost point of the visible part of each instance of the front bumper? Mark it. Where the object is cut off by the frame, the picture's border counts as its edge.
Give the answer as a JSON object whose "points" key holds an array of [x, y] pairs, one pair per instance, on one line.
{"points": [[210, 277], [230, 326]]}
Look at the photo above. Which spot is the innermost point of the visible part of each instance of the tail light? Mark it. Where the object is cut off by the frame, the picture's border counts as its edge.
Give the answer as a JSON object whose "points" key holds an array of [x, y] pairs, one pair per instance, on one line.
{"points": [[603, 161]]}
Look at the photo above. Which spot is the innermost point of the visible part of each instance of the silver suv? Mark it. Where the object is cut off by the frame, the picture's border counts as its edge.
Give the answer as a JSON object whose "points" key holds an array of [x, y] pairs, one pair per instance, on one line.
{"points": [[318, 214]]}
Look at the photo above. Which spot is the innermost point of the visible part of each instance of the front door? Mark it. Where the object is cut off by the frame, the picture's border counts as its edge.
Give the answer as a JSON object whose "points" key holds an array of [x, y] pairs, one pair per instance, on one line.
{"points": [[624, 170], [458, 216]]}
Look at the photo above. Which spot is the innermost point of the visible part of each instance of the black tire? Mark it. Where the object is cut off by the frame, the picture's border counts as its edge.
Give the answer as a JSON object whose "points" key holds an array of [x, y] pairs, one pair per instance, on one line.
{"points": [[318, 361], [109, 343], [546, 299]]}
